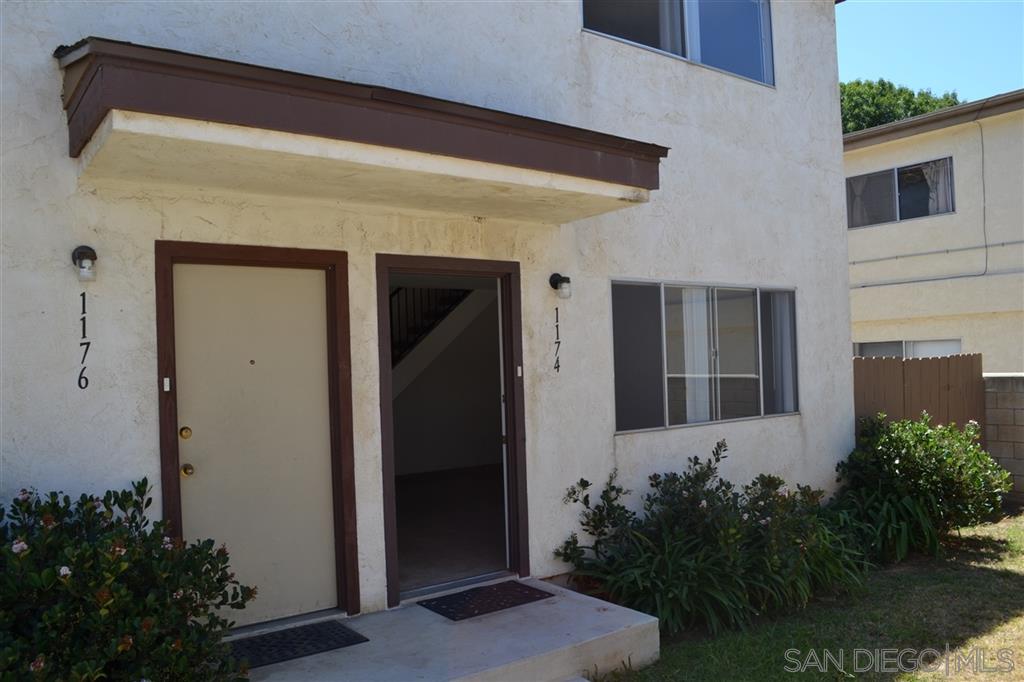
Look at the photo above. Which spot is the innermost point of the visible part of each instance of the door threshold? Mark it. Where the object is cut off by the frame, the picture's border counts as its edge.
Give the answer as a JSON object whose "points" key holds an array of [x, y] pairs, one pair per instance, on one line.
{"points": [[276, 624], [454, 585]]}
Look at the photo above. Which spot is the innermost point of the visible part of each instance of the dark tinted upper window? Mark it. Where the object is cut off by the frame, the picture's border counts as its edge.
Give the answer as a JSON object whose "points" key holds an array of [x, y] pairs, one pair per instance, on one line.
{"points": [[654, 23], [732, 35]]}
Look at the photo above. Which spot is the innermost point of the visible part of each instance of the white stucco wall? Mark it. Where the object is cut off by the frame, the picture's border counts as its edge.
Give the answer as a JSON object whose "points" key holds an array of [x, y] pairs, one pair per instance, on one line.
{"points": [[751, 195], [976, 294]]}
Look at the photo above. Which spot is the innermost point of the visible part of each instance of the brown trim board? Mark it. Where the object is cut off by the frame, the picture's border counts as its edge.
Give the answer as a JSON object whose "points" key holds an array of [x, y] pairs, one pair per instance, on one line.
{"points": [[101, 75], [512, 342], [335, 266]]}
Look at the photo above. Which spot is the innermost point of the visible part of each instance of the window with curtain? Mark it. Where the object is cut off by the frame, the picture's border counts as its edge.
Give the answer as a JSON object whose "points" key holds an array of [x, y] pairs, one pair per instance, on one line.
{"points": [[732, 35], [737, 371], [902, 193], [691, 354], [778, 351], [925, 189]]}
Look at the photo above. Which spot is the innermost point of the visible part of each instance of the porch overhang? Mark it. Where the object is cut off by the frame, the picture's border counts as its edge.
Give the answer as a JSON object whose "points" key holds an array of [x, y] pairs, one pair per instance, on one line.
{"points": [[142, 113]]}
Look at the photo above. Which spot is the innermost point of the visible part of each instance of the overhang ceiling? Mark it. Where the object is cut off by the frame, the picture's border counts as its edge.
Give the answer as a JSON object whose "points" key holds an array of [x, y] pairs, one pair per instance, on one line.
{"points": [[142, 113]]}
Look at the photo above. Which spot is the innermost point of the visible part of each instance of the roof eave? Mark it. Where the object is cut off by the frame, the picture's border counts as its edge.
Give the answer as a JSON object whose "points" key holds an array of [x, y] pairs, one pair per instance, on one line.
{"points": [[943, 118], [101, 75]]}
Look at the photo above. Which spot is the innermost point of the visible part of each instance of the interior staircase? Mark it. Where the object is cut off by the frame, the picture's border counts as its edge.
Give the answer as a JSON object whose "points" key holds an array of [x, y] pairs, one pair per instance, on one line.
{"points": [[415, 312]]}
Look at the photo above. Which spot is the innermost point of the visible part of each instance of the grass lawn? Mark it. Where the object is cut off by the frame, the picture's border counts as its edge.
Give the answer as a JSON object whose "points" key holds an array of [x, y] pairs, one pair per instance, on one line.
{"points": [[972, 597]]}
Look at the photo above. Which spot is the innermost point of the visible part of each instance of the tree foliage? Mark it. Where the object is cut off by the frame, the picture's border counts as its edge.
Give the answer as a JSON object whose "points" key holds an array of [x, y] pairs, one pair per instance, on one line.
{"points": [[866, 104]]}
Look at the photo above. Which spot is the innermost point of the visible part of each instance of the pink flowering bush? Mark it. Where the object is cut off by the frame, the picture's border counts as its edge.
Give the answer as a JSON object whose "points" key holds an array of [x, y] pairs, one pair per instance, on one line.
{"points": [[910, 483], [90, 589]]}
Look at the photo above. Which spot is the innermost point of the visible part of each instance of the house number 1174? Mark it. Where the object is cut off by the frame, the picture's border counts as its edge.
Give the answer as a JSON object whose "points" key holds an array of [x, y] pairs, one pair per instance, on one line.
{"points": [[85, 344], [558, 343]]}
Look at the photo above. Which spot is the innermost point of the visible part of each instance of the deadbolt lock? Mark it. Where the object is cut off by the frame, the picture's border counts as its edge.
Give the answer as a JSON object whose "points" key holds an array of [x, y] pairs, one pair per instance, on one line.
{"points": [[185, 432], [187, 469]]}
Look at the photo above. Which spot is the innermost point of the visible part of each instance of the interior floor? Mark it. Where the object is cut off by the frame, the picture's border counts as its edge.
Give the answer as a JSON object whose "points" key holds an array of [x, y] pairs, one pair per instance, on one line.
{"points": [[451, 525]]}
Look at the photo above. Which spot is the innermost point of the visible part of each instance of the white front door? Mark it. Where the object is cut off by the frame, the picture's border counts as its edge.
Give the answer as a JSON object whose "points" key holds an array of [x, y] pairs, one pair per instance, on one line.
{"points": [[252, 374]]}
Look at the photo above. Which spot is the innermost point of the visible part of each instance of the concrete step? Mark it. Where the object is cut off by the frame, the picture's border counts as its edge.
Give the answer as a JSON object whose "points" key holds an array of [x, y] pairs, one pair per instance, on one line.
{"points": [[566, 636]]}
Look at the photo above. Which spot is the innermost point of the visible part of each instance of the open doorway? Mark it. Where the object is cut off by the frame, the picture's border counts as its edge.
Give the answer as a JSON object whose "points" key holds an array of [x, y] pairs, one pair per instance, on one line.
{"points": [[452, 481], [448, 431]]}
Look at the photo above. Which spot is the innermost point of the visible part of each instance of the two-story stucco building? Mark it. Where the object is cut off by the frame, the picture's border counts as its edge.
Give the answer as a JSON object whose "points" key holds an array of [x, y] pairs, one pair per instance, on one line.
{"points": [[936, 217], [317, 303]]}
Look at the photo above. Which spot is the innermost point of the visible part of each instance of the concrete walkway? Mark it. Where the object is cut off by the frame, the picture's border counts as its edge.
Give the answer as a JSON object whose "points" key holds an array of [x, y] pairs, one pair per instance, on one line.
{"points": [[565, 636]]}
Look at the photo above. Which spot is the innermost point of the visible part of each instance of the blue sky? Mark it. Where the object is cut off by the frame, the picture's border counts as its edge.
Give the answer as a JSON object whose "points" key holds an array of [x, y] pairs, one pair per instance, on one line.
{"points": [[975, 47]]}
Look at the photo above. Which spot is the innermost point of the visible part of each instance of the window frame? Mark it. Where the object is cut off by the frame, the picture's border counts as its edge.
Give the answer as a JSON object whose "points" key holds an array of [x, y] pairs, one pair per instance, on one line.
{"points": [[894, 172], [691, 37], [903, 347], [661, 284]]}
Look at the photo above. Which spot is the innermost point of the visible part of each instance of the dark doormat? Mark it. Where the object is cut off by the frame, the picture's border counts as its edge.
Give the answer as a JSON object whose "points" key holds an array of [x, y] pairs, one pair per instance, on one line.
{"points": [[487, 599], [289, 643]]}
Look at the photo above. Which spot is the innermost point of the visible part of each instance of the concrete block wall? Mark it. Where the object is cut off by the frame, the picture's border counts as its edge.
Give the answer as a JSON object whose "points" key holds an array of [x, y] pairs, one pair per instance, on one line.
{"points": [[1004, 424]]}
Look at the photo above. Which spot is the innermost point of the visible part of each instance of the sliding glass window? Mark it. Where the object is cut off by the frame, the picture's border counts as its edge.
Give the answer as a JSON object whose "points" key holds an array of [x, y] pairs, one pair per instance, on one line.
{"points": [[689, 354], [778, 351], [636, 328], [692, 354], [922, 189]]}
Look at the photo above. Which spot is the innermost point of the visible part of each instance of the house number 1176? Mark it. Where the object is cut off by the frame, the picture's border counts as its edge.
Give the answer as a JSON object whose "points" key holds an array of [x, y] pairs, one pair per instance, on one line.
{"points": [[85, 344]]}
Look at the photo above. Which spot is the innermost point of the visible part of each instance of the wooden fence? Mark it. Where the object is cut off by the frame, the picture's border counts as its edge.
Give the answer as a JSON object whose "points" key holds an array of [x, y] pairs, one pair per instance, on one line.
{"points": [[950, 389]]}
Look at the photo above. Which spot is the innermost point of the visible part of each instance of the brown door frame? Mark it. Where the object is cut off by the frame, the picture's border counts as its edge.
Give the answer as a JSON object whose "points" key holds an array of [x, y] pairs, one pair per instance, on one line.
{"points": [[335, 267], [512, 346]]}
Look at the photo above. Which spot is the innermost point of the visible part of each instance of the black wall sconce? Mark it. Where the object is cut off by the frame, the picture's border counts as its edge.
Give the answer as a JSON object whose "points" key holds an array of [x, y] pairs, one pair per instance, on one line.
{"points": [[561, 284], [84, 258]]}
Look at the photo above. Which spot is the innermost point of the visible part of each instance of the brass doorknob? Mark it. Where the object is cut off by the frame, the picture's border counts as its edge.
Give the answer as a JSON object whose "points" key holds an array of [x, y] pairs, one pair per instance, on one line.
{"points": [[187, 469], [185, 432]]}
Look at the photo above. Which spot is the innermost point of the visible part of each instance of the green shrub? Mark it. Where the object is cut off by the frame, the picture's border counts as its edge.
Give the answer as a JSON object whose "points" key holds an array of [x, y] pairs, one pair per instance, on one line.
{"points": [[702, 553], [91, 590], [908, 483]]}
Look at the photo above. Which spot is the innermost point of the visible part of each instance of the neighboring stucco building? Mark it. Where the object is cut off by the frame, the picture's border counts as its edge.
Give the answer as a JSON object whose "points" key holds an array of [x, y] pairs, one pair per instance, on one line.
{"points": [[935, 206], [305, 293]]}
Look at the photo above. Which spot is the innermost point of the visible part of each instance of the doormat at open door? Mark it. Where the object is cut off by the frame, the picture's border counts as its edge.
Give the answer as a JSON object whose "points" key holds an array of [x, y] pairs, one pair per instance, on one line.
{"points": [[487, 599], [289, 643]]}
